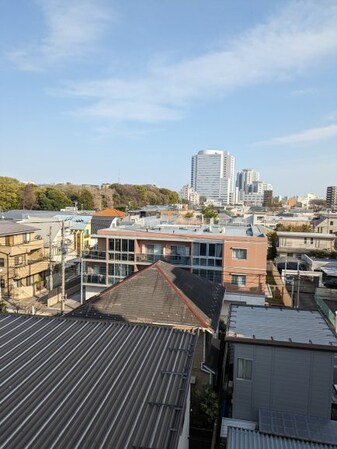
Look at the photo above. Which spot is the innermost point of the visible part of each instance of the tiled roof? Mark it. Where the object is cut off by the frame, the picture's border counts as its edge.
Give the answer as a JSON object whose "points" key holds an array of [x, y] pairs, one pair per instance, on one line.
{"points": [[110, 213], [85, 384], [162, 294], [280, 326]]}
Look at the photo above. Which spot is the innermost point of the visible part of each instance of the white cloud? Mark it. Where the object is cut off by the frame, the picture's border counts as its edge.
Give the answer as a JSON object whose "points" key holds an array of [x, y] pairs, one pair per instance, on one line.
{"points": [[72, 27], [307, 136], [304, 92], [302, 37]]}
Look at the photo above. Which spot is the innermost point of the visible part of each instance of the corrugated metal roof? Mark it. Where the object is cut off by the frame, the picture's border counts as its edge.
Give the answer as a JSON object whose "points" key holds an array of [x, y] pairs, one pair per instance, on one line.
{"points": [[279, 325], [77, 384], [250, 439]]}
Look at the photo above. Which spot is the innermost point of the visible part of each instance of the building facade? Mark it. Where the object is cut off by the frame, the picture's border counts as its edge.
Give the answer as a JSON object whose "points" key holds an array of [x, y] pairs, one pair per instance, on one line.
{"points": [[282, 360], [294, 244], [232, 256], [23, 267], [212, 175], [331, 196]]}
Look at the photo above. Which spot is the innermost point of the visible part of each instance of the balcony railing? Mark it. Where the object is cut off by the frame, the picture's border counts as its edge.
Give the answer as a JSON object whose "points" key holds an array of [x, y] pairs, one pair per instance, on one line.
{"points": [[94, 279], [97, 255], [172, 259]]}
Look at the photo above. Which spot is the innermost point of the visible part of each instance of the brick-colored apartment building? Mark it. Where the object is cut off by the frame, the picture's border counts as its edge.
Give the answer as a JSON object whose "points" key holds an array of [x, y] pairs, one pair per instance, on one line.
{"points": [[233, 256]]}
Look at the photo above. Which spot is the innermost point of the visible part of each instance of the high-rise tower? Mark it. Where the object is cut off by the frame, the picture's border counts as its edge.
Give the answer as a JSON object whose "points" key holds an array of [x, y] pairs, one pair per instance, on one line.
{"points": [[212, 175]]}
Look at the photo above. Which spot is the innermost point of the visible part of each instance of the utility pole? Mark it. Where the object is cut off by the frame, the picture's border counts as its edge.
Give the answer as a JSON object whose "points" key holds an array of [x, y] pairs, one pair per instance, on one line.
{"points": [[63, 264], [298, 286], [51, 283], [81, 273]]}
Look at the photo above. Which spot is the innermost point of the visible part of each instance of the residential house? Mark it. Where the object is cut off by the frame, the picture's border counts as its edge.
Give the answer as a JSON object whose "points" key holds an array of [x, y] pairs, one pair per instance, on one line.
{"points": [[234, 256], [279, 359], [105, 219], [325, 224], [23, 267], [90, 384], [294, 244], [165, 295]]}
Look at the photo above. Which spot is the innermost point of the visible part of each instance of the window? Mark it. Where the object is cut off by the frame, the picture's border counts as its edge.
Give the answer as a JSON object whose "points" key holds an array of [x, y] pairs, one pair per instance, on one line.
{"points": [[238, 279], [2, 262], [18, 260], [239, 253], [26, 238], [244, 369]]}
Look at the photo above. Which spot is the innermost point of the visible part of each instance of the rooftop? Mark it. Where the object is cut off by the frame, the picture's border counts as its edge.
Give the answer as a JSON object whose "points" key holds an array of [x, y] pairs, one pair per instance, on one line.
{"points": [[243, 439], [11, 228], [191, 231], [73, 383], [110, 213], [160, 294], [281, 327]]}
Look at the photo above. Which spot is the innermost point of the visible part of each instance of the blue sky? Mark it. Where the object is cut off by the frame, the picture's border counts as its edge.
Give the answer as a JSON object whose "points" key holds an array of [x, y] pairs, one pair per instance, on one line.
{"points": [[97, 91]]}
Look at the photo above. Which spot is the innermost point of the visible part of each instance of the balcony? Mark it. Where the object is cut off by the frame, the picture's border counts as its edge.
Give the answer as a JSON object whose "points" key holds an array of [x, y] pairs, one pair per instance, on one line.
{"points": [[94, 279], [172, 259], [97, 255], [30, 269]]}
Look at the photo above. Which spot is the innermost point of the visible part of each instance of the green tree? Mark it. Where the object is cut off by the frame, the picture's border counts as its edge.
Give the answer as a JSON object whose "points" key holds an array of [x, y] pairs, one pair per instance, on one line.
{"points": [[272, 245], [210, 211], [53, 199], [204, 407], [9, 193]]}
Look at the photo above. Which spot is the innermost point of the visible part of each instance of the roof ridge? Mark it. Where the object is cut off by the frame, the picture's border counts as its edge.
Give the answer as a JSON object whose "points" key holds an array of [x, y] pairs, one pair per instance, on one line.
{"points": [[185, 299]]}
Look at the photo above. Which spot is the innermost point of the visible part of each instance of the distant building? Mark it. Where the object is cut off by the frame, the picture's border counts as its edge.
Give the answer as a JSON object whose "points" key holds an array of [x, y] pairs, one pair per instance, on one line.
{"points": [[331, 196], [105, 218], [294, 244], [245, 178], [326, 223], [188, 194], [267, 198], [212, 175]]}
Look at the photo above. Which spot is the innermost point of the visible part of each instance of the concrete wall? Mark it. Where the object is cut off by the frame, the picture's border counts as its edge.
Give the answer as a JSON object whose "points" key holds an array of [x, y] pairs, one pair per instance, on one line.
{"points": [[288, 379]]}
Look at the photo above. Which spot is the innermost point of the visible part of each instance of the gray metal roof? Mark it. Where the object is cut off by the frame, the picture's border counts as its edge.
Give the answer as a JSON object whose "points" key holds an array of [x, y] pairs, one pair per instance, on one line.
{"points": [[301, 427], [12, 228], [78, 384], [161, 294], [250, 439], [274, 325]]}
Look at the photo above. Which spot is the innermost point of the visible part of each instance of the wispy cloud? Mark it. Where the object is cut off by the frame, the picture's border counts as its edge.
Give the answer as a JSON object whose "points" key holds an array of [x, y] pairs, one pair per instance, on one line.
{"points": [[304, 92], [72, 27], [307, 136], [302, 36]]}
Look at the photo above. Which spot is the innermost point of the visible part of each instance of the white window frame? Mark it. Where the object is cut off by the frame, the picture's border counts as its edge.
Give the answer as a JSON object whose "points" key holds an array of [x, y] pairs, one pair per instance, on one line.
{"points": [[244, 369], [236, 253], [240, 283]]}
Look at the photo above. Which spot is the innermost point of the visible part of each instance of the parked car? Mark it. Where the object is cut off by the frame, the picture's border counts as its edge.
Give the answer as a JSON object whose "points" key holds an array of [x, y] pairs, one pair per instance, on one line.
{"points": [[330, 283]]}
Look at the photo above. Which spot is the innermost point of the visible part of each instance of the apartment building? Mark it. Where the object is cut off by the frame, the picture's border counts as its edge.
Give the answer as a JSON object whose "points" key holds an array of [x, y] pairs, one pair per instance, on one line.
{"points": [[23, 268], [331, 196], [325, 224], [294, 244], [234, 256], [212, 175]]}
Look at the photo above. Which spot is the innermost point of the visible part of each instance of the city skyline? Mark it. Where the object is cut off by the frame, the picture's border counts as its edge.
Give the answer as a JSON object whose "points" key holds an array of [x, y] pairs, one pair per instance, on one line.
{"points": [[129, 92]]}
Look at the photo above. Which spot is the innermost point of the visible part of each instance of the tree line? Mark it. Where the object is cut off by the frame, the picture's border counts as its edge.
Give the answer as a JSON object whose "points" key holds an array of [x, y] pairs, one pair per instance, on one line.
{"points": [[15, 194]]}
